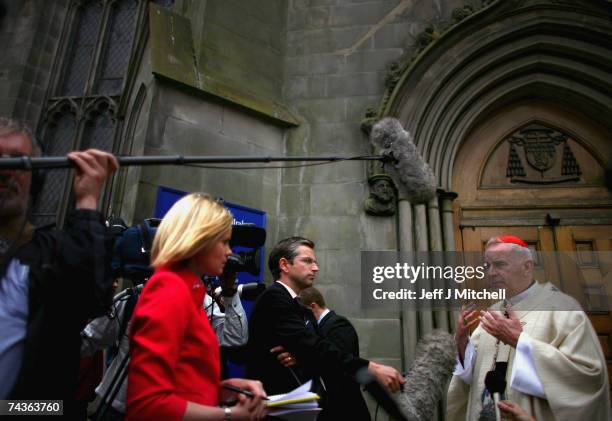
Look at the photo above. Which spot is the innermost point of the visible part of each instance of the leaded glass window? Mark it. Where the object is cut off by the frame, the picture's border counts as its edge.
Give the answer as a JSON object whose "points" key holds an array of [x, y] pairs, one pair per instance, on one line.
{"points": [[83, 108]]}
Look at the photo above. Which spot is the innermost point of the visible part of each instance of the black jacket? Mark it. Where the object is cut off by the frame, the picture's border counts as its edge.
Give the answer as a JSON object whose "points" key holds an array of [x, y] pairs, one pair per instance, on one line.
{"points": [[344, 399], [277, 319], [70, 281]]}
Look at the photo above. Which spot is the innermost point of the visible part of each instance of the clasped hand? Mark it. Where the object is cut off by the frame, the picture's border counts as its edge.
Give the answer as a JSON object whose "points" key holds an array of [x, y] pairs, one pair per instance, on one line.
{"points": [[507, 330]]}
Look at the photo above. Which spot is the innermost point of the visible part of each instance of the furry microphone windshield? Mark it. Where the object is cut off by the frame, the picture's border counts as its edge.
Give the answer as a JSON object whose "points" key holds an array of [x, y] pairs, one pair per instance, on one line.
{"points": [[428, 377], [411, 174]]}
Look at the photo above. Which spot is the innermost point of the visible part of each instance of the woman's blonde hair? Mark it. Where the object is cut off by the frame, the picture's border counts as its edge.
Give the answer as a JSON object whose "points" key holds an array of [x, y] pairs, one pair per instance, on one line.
{"points": [[193, 223]]}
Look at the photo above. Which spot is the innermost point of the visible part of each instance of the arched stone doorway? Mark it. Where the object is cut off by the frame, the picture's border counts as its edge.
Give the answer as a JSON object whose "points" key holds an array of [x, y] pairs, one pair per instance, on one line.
{"points": [[513, 69]]}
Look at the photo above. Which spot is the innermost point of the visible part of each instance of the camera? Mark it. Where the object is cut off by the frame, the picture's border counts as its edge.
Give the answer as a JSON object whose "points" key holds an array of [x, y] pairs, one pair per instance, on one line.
{"points": [[132, 249], [246, 236], [243, 261]]}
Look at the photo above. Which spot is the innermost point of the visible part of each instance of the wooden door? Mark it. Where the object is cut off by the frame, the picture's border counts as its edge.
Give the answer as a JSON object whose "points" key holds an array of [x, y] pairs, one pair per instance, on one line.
{"points": [[591, 276]]}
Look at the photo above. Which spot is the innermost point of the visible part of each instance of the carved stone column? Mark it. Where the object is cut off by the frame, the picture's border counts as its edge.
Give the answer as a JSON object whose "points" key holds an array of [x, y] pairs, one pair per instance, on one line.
{"points": [[448, 230], [409, 319], [426, 324], [448, 233], [435, 239]]}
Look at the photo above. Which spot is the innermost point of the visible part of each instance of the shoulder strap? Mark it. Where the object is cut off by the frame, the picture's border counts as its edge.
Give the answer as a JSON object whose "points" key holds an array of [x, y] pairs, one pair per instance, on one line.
{"points": [[128, 310]]}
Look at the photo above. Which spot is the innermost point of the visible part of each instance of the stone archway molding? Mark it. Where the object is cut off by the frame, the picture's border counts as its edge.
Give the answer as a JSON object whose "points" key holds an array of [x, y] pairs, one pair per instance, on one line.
{"points": [[508, 51]]}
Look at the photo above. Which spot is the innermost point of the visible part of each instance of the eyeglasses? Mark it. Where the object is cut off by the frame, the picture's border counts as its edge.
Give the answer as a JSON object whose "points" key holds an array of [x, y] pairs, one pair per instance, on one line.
{"points": [[308, 261]]}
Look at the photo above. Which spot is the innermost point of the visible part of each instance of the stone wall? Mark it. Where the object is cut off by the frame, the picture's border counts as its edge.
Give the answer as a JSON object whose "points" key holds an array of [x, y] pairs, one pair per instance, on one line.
{"points": [[29, 33], [181, 123], [199, 119]]}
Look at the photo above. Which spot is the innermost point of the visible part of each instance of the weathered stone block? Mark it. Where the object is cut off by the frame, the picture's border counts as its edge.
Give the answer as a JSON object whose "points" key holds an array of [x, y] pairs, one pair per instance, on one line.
{"points": [[270, 198], [337, 199], [340, 172], [323, 110], [299, 4], [314, 64], [296, 66], [334, 138], [379, 232], [361, 14], [326, 63], [372, 61], [357, 105], [306, 87], [316, 3], [397, 35], [318, 17], [379, 338], [328, 40], [341, 267], [295, 200], [267, 137], [355, 84], [328, 233]]}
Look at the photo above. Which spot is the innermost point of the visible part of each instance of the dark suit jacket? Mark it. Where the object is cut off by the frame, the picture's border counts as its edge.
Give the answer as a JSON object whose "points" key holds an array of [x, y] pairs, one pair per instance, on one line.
{"points": [[344, 399], [277, 319]]}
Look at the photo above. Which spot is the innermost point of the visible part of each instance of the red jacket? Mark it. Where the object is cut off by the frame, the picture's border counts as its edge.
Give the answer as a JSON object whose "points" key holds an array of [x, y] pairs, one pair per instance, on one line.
{"points": [[174, 351]]}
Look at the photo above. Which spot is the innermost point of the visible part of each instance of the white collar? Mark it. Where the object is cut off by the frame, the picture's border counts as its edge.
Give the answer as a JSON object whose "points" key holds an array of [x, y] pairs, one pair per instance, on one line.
{"points": [[288, 288], [520, 297], [322, 315]]}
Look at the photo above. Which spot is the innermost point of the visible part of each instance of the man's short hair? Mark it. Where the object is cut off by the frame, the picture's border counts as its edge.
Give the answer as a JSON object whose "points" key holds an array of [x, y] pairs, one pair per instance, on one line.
{"points": [[521, 250], [9, 125], [287, 249], [311, 295]]}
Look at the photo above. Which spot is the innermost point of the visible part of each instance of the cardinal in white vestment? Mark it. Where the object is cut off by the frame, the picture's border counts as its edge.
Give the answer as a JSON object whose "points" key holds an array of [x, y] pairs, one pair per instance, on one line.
{"points": [[556, 369]]}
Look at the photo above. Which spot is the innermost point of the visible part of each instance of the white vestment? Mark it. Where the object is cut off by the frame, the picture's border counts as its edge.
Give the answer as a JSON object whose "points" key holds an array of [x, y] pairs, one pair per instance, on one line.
{"points": [[567, 356]]}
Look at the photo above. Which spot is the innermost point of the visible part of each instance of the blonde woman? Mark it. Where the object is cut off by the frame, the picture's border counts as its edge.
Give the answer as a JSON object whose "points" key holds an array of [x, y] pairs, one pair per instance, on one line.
{"points": [[174, 371]]}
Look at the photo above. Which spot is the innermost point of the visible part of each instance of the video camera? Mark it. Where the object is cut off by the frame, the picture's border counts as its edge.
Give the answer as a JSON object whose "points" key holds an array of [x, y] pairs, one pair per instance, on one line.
{"points": [[247, 236], [132, 250], [251, 237]]}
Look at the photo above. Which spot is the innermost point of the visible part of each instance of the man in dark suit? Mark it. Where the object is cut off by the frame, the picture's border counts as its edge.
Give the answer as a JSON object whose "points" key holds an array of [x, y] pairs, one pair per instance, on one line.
{"points": [[344, 399], [277, 322]]}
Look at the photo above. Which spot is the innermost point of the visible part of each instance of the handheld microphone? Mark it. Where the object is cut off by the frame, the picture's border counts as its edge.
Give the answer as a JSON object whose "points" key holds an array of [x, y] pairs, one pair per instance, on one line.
{"points": [[495, 382], [248, 291]]}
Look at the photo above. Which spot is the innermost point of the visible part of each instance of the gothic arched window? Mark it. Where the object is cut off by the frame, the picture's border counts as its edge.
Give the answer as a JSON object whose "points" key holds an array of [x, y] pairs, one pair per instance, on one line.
{"points": [[86, 97]]}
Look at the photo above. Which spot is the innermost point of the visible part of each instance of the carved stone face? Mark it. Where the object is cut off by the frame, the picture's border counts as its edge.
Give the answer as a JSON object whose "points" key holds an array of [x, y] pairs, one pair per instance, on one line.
{"points": [[382, 190]]}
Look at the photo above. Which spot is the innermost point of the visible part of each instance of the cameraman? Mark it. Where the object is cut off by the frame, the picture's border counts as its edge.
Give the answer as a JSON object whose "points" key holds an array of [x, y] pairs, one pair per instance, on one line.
{"points": [[112, 330], [231, 326]]}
